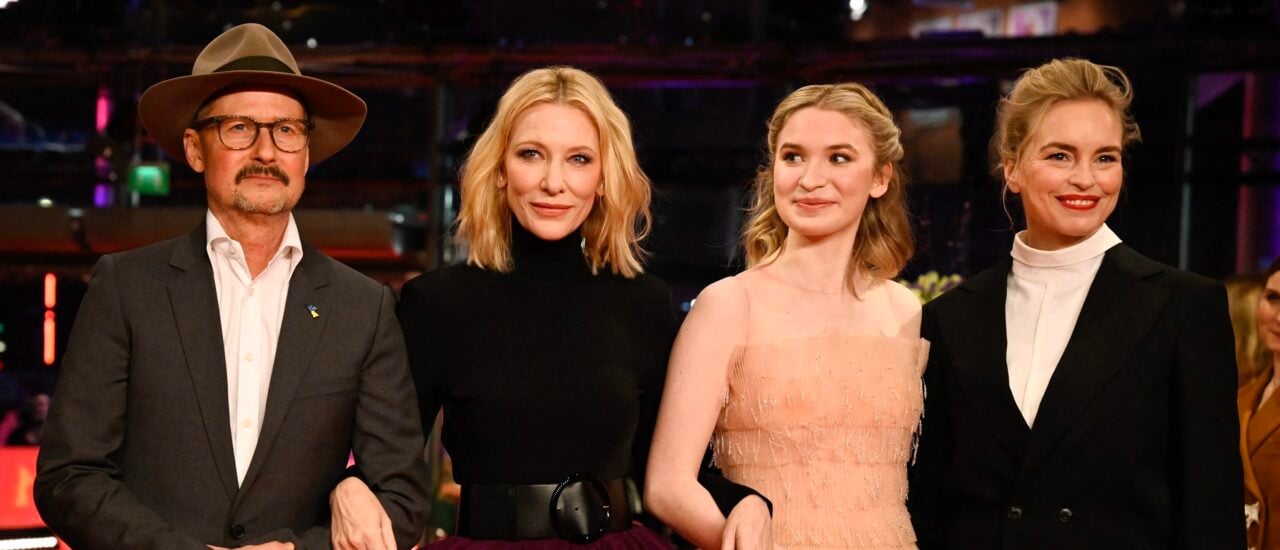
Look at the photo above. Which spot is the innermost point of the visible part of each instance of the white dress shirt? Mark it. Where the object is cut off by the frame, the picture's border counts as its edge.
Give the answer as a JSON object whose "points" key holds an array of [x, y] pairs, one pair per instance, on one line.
{"points": [[251, 310], [1046, 290]]}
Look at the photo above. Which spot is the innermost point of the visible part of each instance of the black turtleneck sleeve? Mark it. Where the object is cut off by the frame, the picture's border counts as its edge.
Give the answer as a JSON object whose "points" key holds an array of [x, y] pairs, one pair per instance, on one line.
{"points": [[543, 372]]}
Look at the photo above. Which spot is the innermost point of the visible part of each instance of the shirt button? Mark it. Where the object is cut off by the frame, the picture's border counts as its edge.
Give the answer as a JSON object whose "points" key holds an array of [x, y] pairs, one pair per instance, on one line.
{"points": [[1014, 513], [251, 291], [246, 423], [1064, 515], [248, 357]]}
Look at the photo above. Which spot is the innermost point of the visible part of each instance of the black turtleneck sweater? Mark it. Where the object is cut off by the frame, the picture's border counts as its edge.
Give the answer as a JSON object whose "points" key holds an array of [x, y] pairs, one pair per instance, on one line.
{"points": [[542, 372]]}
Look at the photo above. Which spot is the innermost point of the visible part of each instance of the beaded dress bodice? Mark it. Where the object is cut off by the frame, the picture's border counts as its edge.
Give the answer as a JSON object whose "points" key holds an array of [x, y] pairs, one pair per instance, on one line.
{"points": [[822, 407]]}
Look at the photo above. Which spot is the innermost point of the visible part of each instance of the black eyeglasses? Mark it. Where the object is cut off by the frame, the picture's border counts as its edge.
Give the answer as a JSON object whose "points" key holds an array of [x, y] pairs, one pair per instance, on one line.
{"points": [[241, 132]]}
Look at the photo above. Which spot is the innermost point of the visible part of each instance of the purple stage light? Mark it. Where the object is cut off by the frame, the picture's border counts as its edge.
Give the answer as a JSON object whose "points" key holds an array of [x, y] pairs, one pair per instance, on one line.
{"points": [[103, 195]]}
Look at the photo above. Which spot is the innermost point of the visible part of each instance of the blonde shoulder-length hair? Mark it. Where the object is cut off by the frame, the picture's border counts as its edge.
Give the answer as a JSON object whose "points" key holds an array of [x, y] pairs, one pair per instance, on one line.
{"points": [[1243, 292], [883, 243], [620, 218]]}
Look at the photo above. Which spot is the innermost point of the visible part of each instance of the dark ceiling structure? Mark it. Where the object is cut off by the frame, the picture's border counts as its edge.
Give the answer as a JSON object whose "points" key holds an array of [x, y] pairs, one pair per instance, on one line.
{"points": [[698, 78]]}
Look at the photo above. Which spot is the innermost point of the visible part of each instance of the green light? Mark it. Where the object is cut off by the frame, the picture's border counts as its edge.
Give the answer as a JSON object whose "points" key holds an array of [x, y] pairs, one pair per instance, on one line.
{"points": [[1, 328], [149, 178]]}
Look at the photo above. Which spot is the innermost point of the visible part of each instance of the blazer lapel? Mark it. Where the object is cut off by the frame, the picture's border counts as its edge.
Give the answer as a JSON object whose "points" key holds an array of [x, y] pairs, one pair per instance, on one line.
{"points": [[1118, 312], [305, 314], [983, 371], [1266, 420], [195, 312], [1247, 402]]}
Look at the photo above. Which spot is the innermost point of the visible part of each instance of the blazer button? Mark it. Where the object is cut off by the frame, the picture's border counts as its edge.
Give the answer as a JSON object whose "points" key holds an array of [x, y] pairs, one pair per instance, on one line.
{"points": [[236, 531], [1064, 515], [1015, 513]]}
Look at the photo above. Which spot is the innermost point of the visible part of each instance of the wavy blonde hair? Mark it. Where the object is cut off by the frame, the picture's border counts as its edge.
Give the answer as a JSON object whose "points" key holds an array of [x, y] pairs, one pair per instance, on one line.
{"points": [[620, 218], [883, 243], [1039, 89], [1243, 293]]}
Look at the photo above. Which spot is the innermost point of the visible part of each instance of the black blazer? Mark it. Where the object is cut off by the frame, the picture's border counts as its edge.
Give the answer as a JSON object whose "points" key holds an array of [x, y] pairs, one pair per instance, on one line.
{"points": [[1135, 444], [137, 451]]}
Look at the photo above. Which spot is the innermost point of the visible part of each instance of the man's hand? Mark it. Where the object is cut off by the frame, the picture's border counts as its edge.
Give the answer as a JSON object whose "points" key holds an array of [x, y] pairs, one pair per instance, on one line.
{"points": [[748, 526], [359, 522]]}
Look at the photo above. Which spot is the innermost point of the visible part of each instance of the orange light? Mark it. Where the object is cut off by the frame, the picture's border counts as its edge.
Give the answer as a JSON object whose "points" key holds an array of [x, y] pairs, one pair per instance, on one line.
{"points": [[50, 290], [50, 332]]}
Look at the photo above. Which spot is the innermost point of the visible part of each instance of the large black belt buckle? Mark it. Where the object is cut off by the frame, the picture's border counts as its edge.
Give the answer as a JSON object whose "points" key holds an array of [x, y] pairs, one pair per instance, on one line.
{"points": [[580, 509]]}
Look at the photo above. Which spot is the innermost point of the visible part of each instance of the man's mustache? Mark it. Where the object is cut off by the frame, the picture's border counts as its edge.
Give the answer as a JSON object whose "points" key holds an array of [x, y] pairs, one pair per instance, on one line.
{"points": [[262, 170]]}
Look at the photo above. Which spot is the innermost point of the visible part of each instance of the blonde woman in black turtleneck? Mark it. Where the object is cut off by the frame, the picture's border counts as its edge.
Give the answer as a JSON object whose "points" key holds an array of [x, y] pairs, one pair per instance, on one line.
{"points": [[547, 350]]}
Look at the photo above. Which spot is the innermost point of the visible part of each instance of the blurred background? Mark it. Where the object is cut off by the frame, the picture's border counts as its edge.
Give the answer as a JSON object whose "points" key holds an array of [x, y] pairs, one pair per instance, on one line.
{"points": [[79, 177]]}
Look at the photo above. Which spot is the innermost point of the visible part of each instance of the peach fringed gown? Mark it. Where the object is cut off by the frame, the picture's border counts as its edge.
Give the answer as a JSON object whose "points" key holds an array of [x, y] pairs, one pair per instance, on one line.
{"points": [[823, 403]]}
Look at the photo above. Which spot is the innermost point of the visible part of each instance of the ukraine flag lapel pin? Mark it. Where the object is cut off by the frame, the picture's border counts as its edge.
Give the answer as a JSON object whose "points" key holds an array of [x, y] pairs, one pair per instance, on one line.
{"points": [[315, 311]]}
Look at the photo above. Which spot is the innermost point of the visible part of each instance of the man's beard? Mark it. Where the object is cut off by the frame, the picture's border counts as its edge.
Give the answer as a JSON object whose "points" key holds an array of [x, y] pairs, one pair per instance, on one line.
{"points": [[276, 206]]}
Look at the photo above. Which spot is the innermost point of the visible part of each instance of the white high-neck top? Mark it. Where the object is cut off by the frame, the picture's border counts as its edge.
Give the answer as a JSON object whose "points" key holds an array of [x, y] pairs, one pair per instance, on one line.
{"points": [[1046, 290], [251, 310]]}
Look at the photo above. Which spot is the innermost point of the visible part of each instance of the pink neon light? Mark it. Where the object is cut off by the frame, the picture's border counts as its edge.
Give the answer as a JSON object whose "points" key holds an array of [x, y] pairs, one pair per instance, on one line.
{"points": [[50, 325], [103, 110], [50, 290], [50, 332]]}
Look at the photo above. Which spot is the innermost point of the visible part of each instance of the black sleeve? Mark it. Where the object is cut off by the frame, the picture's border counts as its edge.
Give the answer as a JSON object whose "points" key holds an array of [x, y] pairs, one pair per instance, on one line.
{"points": [[1207, 488], [419, 328], [662, 321], [78, 487], [926, 475], [727, 494]]}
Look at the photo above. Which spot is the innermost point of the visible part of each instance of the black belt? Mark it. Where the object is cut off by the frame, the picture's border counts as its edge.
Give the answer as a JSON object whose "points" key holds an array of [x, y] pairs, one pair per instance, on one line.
{"points": [[580, 509]]}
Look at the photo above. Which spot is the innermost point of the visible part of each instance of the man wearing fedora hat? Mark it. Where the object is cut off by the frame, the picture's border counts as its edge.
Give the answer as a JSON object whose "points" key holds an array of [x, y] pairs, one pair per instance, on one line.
{"points": [[215, 384]]}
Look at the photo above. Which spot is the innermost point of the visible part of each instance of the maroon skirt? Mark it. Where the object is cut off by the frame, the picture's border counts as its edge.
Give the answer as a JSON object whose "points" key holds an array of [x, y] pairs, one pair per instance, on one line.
{"points": [[638, 537]]}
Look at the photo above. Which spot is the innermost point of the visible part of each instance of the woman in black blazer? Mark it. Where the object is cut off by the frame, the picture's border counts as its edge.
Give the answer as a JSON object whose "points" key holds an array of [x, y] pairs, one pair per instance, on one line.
{"points": [[1079, 395]]}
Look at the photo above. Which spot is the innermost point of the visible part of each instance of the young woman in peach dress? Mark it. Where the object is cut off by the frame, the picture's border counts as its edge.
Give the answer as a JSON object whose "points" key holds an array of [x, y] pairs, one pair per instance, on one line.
{"points": [[805, 369]]}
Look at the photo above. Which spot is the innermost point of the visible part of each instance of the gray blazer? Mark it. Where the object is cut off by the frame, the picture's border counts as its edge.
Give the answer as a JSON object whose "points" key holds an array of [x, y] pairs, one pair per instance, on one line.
{"points": [[137, 451]]}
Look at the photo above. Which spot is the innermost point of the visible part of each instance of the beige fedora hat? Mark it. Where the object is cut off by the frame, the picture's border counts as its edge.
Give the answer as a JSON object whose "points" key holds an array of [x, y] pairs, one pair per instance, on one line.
{"points": [[250, 55]]}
